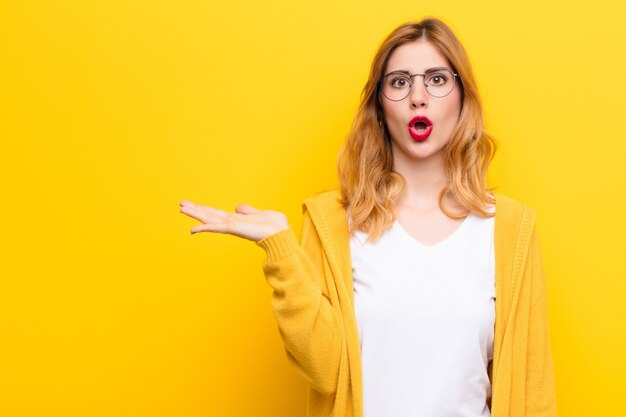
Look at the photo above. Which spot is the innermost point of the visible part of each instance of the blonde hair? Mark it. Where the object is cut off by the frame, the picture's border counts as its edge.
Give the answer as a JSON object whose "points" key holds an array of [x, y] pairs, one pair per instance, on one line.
{"points": [[369, 186]]}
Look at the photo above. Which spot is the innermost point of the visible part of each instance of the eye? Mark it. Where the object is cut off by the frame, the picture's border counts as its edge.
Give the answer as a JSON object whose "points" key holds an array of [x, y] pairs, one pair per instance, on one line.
{"points": [[400, 82], [437, 79]]}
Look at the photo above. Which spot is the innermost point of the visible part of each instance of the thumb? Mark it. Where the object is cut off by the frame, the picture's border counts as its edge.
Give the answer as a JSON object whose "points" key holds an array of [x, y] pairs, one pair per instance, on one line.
{"points": [[246, 209]]}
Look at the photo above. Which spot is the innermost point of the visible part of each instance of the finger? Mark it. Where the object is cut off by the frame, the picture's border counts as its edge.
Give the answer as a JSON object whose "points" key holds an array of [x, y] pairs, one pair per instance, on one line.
{"points": [[198, 214], [211, 210], [246, 209], [217, 227]]}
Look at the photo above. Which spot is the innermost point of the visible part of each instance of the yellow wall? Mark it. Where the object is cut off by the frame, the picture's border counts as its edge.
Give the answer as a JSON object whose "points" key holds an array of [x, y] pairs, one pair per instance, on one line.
{"points": [[113, 111]]}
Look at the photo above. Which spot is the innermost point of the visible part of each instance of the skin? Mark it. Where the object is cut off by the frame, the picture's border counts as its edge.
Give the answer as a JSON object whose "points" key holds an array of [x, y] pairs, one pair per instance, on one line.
{"points": [[246, 222], [422, 163]]}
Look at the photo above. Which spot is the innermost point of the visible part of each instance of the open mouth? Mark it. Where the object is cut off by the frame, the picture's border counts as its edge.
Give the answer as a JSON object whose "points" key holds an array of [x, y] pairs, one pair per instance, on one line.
{"points": [[420, 128]]}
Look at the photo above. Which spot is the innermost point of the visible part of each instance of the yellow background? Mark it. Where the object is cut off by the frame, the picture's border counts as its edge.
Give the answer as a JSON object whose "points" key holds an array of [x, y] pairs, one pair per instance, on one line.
{"points": [[114, 111]]}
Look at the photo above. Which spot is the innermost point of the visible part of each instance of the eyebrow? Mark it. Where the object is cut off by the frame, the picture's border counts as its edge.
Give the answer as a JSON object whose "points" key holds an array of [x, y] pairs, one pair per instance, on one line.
{"points": [[428, 70]]}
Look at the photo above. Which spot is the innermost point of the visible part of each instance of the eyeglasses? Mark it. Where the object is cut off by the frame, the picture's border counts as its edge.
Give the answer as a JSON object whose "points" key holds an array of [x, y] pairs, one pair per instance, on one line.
{"points": [[439, 82]]}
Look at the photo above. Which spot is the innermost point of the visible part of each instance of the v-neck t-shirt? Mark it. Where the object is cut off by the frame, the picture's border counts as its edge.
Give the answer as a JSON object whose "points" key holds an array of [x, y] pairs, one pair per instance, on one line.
{"points": [[426, 316]]}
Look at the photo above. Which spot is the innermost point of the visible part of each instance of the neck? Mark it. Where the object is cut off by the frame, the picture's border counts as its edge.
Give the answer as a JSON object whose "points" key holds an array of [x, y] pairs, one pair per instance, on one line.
{"points": [[424, 179]]}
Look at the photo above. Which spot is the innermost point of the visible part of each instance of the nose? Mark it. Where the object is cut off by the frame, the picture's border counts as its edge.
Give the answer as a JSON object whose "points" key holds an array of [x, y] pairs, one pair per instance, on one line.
{"points": [[418, 95]]}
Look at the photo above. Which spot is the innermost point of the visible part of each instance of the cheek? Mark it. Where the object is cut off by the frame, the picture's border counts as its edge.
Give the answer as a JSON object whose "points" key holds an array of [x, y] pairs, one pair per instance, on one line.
{"points": [[391, 113], [453, 109]]}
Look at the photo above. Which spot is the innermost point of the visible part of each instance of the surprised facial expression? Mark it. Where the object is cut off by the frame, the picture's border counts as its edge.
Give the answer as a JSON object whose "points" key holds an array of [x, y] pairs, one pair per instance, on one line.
{"points": [[420, 125]]}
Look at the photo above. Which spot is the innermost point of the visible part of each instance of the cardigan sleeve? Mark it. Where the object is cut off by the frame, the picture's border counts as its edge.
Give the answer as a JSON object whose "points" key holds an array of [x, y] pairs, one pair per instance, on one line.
{"points": [[540, 387], [309, 326]]}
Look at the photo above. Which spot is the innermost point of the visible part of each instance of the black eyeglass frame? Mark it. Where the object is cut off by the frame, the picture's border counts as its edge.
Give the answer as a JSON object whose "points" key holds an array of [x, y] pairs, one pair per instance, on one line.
{"points": [[428, 72]]}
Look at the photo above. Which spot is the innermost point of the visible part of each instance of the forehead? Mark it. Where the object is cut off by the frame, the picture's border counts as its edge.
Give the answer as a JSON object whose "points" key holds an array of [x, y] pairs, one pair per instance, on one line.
{"points": [[415, 57]]}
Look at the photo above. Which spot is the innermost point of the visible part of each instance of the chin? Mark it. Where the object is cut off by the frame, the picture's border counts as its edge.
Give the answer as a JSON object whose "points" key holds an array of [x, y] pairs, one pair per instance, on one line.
{"points": [[418, 150], [425, 151]]}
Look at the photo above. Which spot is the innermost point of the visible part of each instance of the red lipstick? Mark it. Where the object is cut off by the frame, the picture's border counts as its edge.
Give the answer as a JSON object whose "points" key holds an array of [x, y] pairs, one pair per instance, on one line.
{"points": [[420, 128]]}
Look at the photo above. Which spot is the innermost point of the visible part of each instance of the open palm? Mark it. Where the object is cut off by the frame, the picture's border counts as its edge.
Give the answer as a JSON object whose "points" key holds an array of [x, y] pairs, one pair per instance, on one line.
{"points": [[247, 222]]}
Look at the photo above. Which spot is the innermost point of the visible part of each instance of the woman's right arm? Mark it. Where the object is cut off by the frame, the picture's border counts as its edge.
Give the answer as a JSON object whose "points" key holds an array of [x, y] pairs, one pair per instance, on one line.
{"points": [[309, 325]]}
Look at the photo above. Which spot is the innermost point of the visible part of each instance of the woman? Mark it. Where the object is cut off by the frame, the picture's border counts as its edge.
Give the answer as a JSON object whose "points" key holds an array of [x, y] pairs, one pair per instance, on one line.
{"points": [[387, 305]]}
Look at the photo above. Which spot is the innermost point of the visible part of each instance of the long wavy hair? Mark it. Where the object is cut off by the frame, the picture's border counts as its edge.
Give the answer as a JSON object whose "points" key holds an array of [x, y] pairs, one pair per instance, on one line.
{"points": [[369, 185]]}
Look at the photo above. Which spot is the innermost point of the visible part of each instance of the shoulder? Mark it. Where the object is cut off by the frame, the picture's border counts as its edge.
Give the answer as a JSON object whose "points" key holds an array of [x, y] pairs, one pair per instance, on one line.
{"points": [[509, 204], [326, 212], [512, 214], [326, 199]]}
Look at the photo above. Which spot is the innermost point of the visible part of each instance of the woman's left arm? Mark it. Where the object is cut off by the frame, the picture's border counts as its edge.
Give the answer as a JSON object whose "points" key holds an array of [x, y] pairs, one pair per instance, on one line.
{"points": [[540, 387]]}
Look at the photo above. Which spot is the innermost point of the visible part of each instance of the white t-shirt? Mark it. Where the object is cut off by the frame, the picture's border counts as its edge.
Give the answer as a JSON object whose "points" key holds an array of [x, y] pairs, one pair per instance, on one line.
{"points": [[426, 318]]}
